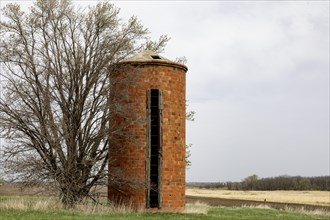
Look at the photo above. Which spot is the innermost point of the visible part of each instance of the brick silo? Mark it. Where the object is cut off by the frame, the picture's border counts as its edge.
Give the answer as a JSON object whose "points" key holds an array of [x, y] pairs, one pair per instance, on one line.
{"points": [[147, 133]]}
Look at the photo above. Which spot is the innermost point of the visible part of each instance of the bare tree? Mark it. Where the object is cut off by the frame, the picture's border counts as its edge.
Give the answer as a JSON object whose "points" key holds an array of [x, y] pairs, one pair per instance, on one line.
{"points": [[54, 107]]}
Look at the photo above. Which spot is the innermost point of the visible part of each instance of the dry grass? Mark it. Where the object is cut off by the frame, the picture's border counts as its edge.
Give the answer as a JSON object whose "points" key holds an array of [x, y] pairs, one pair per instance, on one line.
{"points": [[17, 198], [321, 198], [25, 203], [322, 212], [309, 212], [49, 204], [196, 208], [30, 203]]}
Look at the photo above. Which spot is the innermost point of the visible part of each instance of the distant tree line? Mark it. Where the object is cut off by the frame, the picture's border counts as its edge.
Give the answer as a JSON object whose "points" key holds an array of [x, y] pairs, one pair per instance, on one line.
{"points": [[321, 183]]}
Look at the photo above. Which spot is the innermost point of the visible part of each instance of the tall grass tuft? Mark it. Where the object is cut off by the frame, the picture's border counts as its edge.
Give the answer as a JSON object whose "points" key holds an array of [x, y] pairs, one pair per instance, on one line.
{"points": [[92, 208], [197, 208], [30, 203], [320, 211]]}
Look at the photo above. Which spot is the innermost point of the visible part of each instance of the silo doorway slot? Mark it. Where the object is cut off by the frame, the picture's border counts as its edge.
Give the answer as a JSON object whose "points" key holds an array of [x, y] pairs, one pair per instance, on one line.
{"points": [[154, 149]]}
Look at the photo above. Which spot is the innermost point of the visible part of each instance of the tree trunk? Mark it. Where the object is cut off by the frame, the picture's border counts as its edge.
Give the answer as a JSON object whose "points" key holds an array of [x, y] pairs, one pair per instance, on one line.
{"points": [[70, 196]]}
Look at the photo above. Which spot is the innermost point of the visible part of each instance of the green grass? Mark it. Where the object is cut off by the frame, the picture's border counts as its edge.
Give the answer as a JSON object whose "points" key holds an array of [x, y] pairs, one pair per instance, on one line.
{"points": [[38, 208], [214, 213], [257, 213], [11, 214]]}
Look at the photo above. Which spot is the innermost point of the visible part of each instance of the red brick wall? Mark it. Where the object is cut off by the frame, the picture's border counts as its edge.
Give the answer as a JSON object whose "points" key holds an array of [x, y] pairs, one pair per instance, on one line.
{"points": [[130, 160]]}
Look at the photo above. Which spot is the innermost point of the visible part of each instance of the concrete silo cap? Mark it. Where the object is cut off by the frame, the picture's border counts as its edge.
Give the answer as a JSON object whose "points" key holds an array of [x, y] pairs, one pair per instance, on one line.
{"points": [[150, 57]]}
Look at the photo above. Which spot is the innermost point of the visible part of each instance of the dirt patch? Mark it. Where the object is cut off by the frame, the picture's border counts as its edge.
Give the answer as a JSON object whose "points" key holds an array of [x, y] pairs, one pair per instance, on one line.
{"points": [[242, 203]]}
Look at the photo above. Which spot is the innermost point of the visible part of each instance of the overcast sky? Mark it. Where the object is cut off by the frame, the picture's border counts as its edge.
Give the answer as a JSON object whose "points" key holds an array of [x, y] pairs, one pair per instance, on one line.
{"points": [[258, 80]]}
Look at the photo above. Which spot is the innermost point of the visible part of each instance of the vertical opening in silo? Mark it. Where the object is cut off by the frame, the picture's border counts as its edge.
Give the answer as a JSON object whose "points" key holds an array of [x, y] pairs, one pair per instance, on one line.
{"points": [[154, 148]]}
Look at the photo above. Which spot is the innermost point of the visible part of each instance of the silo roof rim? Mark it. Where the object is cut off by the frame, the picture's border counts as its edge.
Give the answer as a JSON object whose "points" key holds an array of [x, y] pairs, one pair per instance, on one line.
{"points": [[146, 55], [150, 57]]}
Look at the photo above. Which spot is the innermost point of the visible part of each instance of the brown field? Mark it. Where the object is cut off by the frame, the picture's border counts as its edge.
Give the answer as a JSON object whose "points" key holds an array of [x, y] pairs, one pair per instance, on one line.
{"points": [[319, 198]]}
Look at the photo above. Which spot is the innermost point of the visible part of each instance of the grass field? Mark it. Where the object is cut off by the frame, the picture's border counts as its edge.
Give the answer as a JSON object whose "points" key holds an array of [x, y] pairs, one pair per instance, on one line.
{"points": [[214, 213], [321, 198], [13, 205], [35, 208]]}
